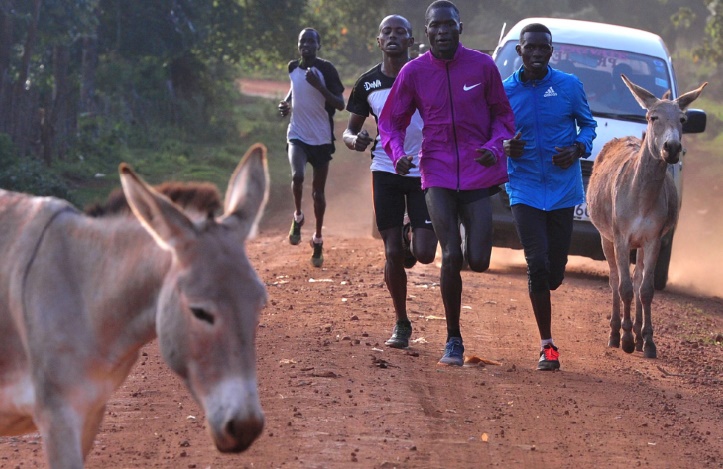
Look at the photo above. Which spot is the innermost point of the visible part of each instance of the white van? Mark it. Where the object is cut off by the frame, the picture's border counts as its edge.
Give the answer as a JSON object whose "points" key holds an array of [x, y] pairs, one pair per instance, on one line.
{"points": [[597, 53]]}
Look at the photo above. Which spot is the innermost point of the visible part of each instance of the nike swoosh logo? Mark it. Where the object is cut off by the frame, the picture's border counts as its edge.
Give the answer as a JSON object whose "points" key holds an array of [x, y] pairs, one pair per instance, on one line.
{"points": [[428, 222], [467, 88]]}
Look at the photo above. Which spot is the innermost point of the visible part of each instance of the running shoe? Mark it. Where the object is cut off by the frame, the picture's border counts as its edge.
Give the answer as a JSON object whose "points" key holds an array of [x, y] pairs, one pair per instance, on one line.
{"points": [[317, 258], [400, 335], [295, 231], [549, 359], [453, 353], [409, 259]]}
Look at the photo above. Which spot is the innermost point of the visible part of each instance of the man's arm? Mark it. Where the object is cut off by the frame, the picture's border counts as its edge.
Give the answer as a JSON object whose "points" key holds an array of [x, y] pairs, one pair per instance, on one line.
{"points": [[502, 119], [354, 137], [582, 145], [584, 120], [285, 105], [335, 100]]}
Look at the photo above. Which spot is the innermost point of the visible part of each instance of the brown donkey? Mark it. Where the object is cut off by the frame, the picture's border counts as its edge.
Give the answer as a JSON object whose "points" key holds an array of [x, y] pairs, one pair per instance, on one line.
{"points": [[633, 202], [79, 297]]}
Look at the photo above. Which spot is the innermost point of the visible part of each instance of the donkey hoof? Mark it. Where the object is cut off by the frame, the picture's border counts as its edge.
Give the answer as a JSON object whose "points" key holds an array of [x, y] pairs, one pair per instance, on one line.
{"points": [[639, 345], [650, 351], [614, 341]]}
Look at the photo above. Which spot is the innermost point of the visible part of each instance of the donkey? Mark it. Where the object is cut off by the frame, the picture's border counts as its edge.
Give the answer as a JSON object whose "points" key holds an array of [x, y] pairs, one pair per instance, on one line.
{"points": [[633, 203], [79, 297]]}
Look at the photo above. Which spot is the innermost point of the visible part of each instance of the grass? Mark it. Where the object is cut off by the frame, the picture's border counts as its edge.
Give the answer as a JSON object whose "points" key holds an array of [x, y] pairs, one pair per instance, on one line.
{"points": [[94, 174]]}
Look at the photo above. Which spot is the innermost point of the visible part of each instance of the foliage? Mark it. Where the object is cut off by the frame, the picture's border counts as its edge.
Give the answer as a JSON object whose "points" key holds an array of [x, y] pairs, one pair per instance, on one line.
{"points": [[26, 175], [152, 82], [7, 151], [712, 47], [30, 176]]}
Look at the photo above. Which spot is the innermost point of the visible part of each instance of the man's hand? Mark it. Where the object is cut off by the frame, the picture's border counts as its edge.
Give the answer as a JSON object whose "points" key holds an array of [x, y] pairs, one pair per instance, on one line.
{"points": [[404, 165], [362, 140], [486, 158], [565, 156], [313, 79], [284, 108], [514, 146]]}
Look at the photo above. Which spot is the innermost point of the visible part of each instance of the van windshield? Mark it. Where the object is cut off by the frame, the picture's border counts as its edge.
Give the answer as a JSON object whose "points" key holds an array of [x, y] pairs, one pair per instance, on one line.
{"points": [[600, 70]]}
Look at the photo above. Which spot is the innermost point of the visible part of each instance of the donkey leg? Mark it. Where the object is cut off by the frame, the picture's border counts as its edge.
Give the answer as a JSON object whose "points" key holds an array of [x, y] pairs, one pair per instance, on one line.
{"points": [[609, 251], [648, 347], [625, 287], [61, 429], [637, 283], [647, 290], [90, 429]]}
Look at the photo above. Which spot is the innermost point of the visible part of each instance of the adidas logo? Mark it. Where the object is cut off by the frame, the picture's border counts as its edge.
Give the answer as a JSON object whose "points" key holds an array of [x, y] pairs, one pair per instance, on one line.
{"points": [[550, 92]]}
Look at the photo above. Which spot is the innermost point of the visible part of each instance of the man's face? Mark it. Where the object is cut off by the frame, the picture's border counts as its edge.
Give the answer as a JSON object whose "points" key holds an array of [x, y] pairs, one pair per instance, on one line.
{"points": [[443, 29], [394, 38], [308, 45], [535, 50]]}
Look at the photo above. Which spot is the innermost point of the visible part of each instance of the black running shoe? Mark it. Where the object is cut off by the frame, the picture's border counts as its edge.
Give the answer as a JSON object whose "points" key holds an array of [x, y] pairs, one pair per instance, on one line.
{"points": [[400, 335], [549, 359], [295, 231], [409, 259]]}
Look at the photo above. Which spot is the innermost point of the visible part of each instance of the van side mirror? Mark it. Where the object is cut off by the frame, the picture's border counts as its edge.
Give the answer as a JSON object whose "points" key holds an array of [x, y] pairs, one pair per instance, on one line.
{"points": [[696, 121]]}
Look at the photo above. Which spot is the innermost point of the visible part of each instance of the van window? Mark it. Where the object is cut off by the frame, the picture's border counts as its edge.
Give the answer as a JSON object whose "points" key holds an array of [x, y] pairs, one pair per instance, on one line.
{"points": [[599, 70]]}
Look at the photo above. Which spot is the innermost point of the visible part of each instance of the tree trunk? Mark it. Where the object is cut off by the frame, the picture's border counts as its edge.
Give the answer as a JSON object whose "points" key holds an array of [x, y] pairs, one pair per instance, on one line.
{"points": [[87, 79], [23, 114], [54, 134], [6, 44]]}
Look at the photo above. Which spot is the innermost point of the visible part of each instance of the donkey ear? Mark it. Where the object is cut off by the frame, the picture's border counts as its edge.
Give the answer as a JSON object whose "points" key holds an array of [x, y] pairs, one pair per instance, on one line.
{"points": [[247, 192], [644, 97], [158, 215], [687, 98]]}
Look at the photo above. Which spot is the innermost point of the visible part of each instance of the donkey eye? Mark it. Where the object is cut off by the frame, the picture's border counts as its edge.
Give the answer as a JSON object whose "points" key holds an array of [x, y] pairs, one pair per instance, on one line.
{"points": [[202, 315]]}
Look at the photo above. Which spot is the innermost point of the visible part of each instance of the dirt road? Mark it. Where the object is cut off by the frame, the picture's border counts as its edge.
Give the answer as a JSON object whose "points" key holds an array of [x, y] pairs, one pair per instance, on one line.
{"points": [[336, 397]]}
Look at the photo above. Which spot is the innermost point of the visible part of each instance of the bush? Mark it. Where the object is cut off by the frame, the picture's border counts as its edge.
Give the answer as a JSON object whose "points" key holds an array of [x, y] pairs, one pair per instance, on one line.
{"points": [[30, 176], [7, 152]]}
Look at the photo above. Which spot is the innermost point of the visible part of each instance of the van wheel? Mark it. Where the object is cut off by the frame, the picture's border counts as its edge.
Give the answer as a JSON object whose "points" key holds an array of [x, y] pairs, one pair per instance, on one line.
{"points": [[660, 277]]}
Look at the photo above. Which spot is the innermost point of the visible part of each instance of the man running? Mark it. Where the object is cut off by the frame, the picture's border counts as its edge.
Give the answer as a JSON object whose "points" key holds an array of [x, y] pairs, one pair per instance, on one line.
{"points": [[393, 193], [466, 114], [315, 94]]}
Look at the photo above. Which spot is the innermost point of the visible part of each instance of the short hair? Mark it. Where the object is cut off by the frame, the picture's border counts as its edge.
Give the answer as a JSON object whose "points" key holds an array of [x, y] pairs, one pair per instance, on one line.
{"points": [[407, 24], [535, 28], [440, 4], [316, 33]]}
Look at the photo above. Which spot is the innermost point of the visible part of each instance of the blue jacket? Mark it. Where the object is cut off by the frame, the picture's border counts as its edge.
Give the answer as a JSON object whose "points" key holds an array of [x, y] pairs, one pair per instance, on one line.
{"points": [[548, 112]]}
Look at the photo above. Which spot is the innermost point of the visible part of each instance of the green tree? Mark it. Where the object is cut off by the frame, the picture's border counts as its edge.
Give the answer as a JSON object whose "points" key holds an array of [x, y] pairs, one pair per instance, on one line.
{"points": [[711, 48]]}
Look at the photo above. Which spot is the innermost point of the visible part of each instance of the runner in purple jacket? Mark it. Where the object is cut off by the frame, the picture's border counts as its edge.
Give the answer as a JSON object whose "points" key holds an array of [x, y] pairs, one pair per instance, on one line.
{"points": [[466, 114]]}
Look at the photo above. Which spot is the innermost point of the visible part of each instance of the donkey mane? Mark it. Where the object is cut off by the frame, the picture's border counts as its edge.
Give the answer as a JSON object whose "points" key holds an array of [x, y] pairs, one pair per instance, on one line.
{"points": [[199, 197]]}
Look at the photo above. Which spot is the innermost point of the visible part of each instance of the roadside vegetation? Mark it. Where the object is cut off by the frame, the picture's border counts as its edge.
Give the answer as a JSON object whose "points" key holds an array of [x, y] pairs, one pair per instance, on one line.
{"points": [[88, 84]]}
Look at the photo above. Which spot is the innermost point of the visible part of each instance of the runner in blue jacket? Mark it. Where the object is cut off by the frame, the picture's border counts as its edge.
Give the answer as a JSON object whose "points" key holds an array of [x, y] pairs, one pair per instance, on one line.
{"points": [[554, 128]]}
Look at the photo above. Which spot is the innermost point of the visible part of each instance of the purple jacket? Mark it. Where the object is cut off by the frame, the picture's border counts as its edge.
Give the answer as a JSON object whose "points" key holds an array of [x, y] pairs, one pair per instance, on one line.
{"points": [[464, 108]]}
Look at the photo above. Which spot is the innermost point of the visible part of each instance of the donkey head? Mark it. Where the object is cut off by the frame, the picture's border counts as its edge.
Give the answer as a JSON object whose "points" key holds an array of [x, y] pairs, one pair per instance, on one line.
{"points": [[208, 308], [665, 120]]}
